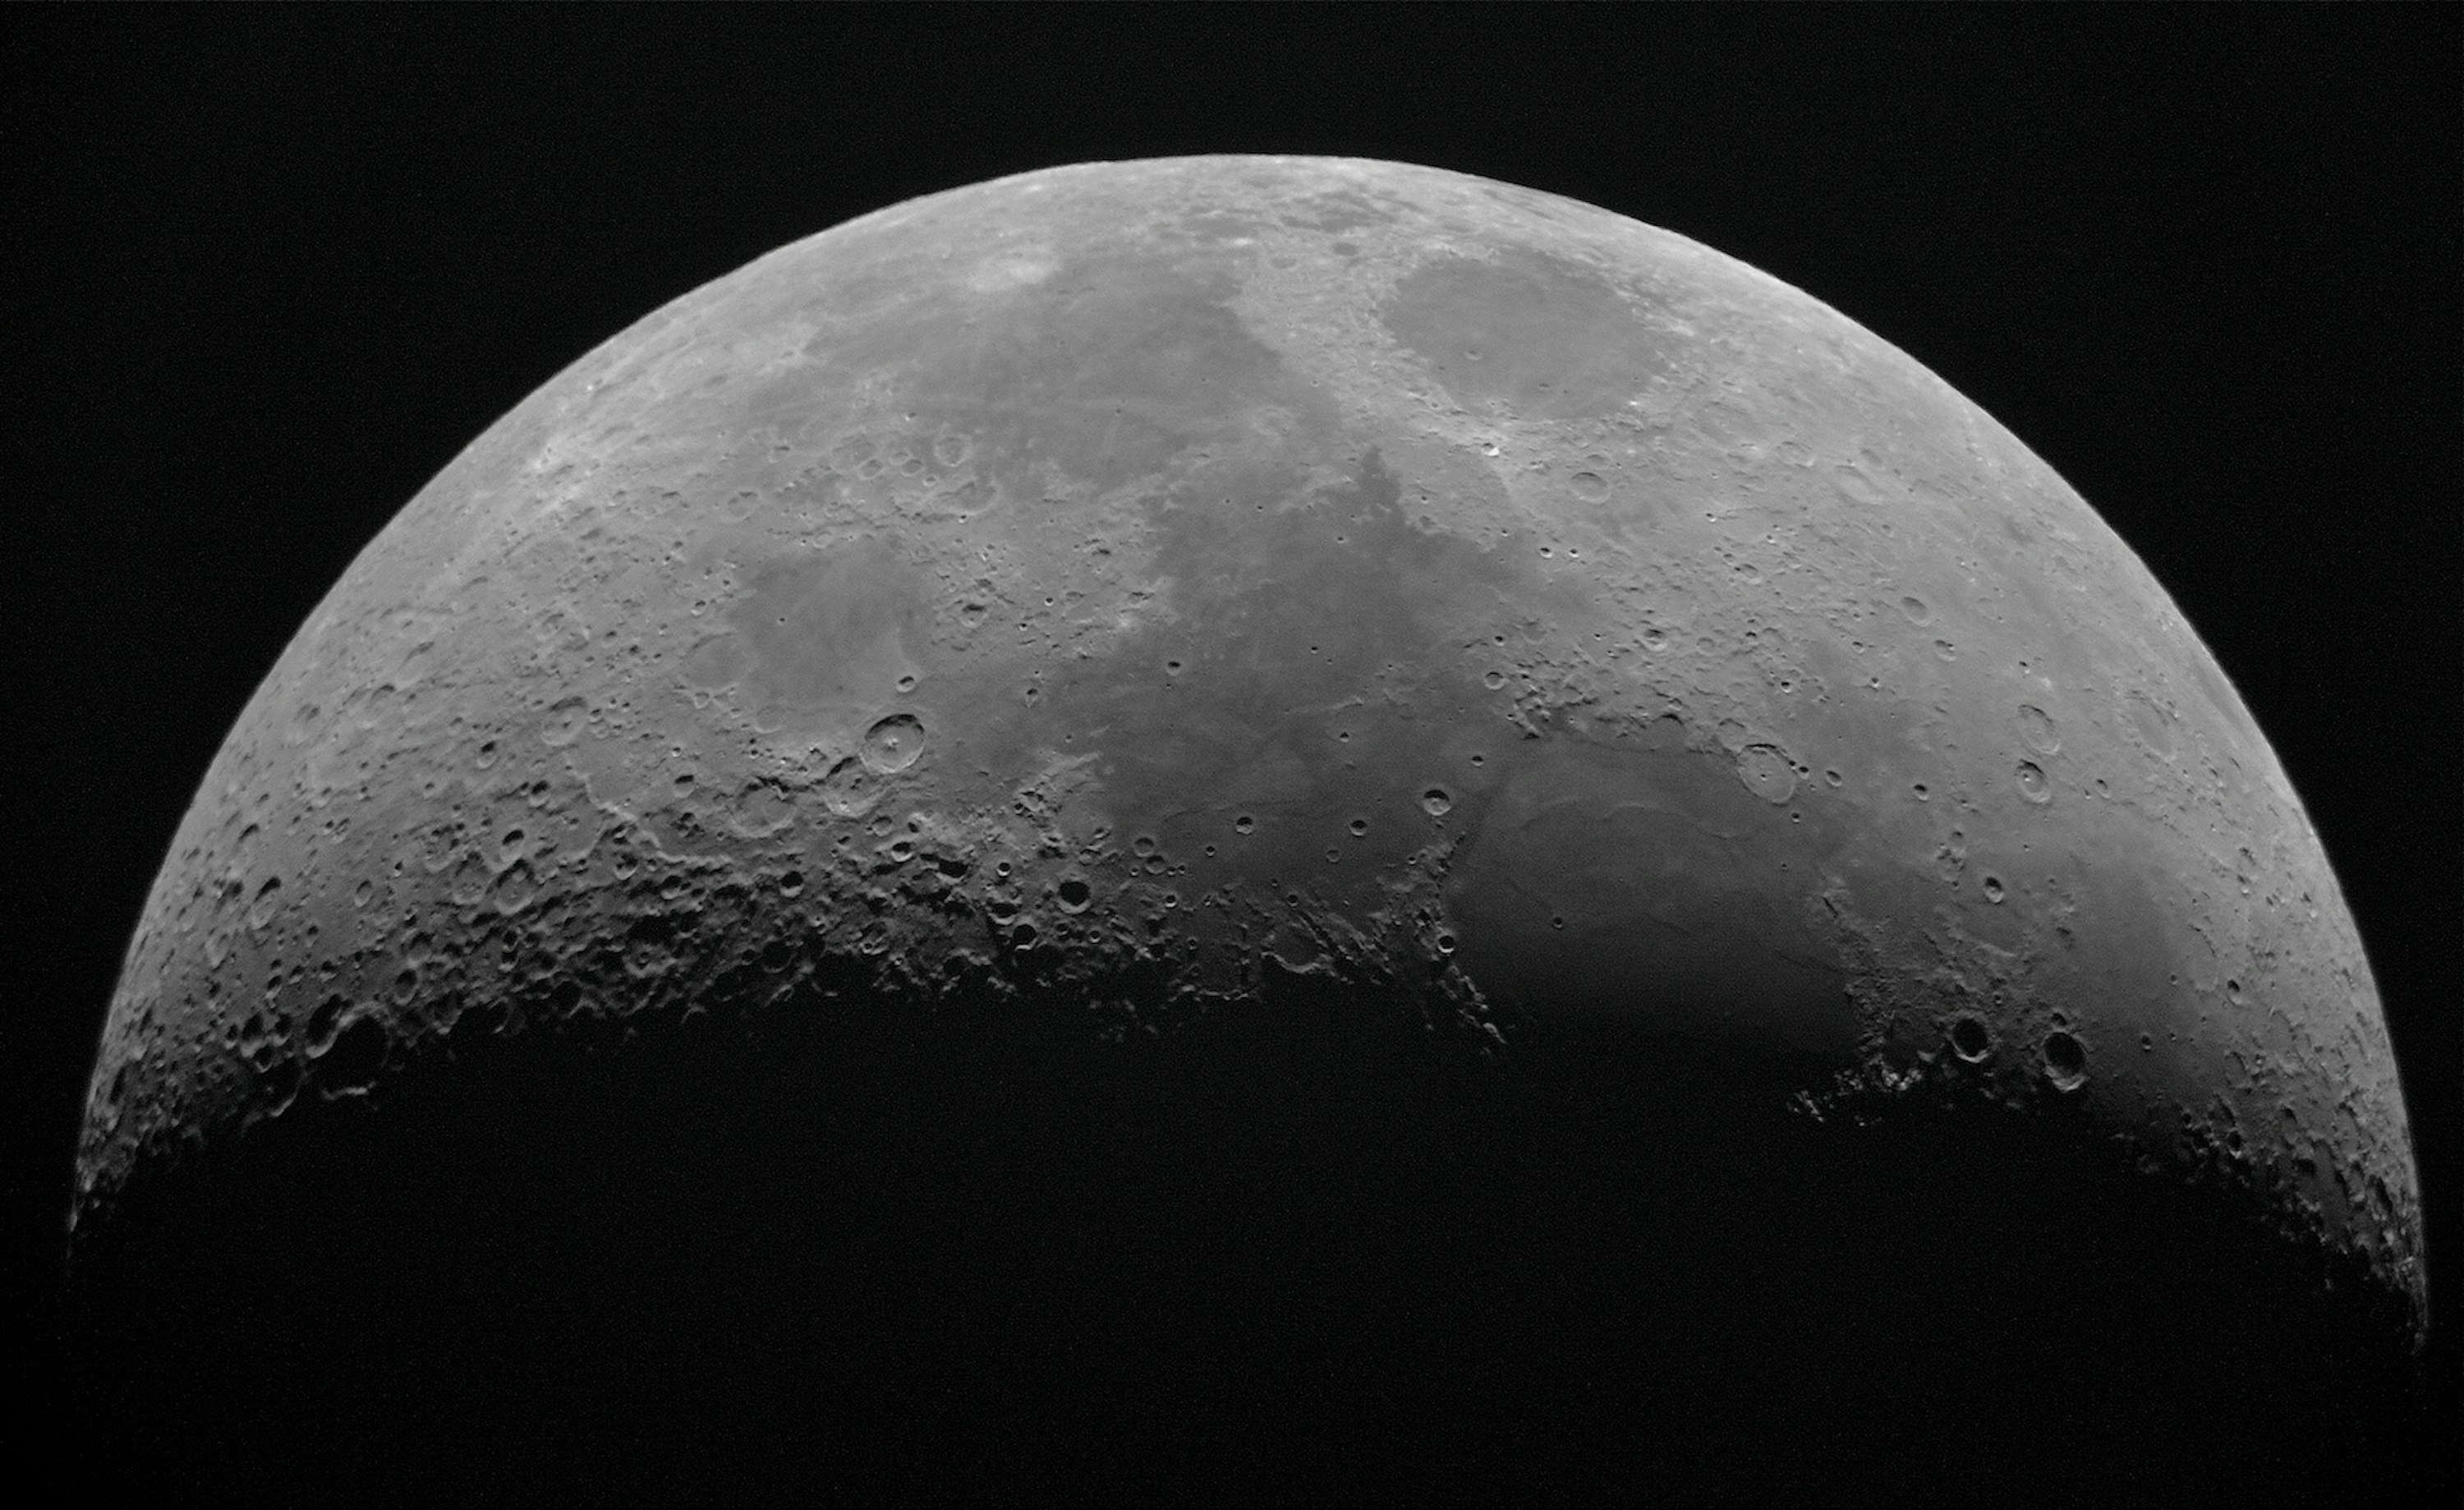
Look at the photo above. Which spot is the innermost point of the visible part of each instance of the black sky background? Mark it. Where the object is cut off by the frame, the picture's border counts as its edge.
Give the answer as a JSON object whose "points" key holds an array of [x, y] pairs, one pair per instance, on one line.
{"points": [[272, 269]]}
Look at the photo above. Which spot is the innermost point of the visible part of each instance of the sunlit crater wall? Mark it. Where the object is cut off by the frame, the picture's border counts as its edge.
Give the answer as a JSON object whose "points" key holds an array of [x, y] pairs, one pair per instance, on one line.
{"points": [[1139, 585]]}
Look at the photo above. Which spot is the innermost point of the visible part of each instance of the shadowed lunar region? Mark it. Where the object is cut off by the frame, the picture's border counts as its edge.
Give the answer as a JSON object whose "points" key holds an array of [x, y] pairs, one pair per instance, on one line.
{"points": [[1243, 826]]}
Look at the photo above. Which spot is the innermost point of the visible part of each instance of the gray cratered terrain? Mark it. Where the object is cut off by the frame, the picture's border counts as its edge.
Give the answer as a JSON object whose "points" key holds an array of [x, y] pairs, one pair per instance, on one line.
{"points": [[1124, 593]]}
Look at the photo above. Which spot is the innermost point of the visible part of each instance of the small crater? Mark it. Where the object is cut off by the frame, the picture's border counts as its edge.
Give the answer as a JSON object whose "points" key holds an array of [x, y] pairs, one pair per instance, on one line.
{"points": [[2153, 724], [1768, 773], [1916, 609], [2033, 783], [792, 884], [1074, 894], [565, 721], [1969, 1040], [1589, 486], [2065, 1060], [1359, 828], [1445, 943], [268, 902], [1994, 892], [352, 1060], [848, 790], [2037, 730], [894, 743], [278, 1082], [514, 889], [1436, 803], [1855, 486], [1244, 824], [319, 1034]]}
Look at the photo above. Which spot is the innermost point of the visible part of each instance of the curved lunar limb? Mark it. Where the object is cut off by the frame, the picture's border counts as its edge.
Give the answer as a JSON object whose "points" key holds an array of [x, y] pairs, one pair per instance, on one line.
{"points": [[1120, 603]]}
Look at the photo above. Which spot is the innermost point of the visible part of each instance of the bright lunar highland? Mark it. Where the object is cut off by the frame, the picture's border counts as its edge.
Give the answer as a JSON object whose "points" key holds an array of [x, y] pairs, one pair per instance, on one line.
{"points": [[1128, 592]]}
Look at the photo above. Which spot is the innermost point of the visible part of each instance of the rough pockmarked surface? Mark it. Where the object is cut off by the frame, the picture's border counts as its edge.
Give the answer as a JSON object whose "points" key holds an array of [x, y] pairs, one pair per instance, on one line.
{"points": [[1125, 590]]}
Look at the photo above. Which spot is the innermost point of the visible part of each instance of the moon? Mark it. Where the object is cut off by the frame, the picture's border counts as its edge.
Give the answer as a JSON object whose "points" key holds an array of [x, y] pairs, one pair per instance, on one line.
{"points": [[1124, 610]]}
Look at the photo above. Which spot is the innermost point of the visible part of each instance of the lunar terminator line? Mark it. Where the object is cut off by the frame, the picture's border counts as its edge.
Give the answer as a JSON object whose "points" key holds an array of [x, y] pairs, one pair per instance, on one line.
{"points": [[1120, 590]]}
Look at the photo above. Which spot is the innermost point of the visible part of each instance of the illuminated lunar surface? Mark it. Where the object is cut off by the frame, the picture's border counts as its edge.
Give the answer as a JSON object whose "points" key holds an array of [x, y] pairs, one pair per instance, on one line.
{"points": [[1120, 596]]}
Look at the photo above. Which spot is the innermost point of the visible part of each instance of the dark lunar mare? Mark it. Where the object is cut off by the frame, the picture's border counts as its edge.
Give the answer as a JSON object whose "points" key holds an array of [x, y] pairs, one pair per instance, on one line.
{"points": [[897, 885], [815, 1249]]}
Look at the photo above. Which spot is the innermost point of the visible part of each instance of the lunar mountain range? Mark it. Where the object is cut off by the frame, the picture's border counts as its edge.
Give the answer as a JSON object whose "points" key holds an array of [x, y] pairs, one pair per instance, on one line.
{"points": [[1121, 593]]}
